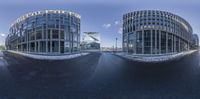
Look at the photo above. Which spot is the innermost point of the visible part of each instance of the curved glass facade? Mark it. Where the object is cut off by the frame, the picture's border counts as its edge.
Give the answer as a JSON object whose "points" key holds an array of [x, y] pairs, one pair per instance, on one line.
{"points": [[46, 32], [155, 32]]}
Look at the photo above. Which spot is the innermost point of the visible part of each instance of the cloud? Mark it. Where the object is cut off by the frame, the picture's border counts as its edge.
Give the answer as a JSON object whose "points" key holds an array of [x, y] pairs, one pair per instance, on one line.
{"points": [[120, 30], [2, 34], [106, 26], [117, 22]]}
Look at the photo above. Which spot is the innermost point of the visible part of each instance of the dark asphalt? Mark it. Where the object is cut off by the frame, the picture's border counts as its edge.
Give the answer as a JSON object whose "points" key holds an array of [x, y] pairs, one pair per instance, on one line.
{"points": [[99, 76]]}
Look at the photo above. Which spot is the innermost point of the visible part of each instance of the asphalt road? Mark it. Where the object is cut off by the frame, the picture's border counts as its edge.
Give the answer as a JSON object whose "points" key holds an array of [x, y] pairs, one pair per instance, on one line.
{"points": [[98, 76]]}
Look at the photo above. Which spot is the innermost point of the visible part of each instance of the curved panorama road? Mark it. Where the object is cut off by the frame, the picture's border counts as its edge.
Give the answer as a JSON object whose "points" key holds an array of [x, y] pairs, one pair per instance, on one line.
{"points": [[97, 76]]}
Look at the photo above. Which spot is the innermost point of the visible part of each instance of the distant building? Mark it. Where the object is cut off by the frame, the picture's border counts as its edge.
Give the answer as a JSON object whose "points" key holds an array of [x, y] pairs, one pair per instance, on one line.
{"points": [[152, 32], [195, 41], [45, 32], [90, 41], [109, 49]]}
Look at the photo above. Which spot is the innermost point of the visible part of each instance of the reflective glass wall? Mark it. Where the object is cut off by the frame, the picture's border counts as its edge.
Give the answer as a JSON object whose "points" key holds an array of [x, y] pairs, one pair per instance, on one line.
{"points": [[155, 32], [48, 32]]}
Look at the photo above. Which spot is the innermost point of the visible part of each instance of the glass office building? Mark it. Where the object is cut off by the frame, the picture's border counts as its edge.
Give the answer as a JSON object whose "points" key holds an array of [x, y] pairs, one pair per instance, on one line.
{"points": [[91, 41], [155, 32], [45, 32]]}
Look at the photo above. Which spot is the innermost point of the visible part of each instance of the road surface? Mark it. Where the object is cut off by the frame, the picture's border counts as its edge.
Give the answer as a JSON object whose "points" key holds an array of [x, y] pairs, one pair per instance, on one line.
{"points": [[98, 76]]}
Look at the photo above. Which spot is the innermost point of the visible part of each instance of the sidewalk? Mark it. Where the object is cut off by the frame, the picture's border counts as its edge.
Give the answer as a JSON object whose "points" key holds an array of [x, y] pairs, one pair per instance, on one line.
{"points": [[154, 59], [47, 57]]}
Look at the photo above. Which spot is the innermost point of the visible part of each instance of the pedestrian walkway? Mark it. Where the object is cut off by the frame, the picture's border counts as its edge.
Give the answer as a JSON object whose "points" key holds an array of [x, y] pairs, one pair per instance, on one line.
{"points": [[154, 59], [47, 57]]}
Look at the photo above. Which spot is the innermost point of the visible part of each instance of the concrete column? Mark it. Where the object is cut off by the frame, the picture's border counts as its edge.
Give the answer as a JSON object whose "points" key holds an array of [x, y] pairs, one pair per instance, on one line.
{"points": [[46, 41], [174, 43], [50, 41], [135, 35], [59, 36], [127, 43], [46, 34], [38, 48], [156, 41], [142, 41], [35, 42], [159, 42], [34, 46], [59, 40], [27, 40], [72, 42], [151, 41], [166, 42], [29, 47], [42, 38], [70, 37]]}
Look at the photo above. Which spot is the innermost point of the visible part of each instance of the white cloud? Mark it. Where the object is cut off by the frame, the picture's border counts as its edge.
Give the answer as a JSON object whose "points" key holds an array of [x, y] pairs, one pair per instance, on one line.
{"points": [[106, 26], [2, 34], [120, 30], [117, 22]]}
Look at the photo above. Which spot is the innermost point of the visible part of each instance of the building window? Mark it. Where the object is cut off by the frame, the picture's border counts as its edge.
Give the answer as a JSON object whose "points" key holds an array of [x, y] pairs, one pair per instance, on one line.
{"points": [[55, 34], [49, 34], [158, 42], [42, 46], [51, 26], [61, 34], [61, 46], [67, 47], [169, 43], [153, 42], [163, 42], [55, 46], [44, 34], [32, 36], [49, 46], [139, 42], [131, 39], [147, 42], [32, 47], [39, 35], [177, 43]]}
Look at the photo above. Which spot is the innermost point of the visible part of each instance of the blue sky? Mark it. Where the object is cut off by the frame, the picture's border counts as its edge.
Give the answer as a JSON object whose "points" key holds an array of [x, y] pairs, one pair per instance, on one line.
{"points": [[103, 16]]}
